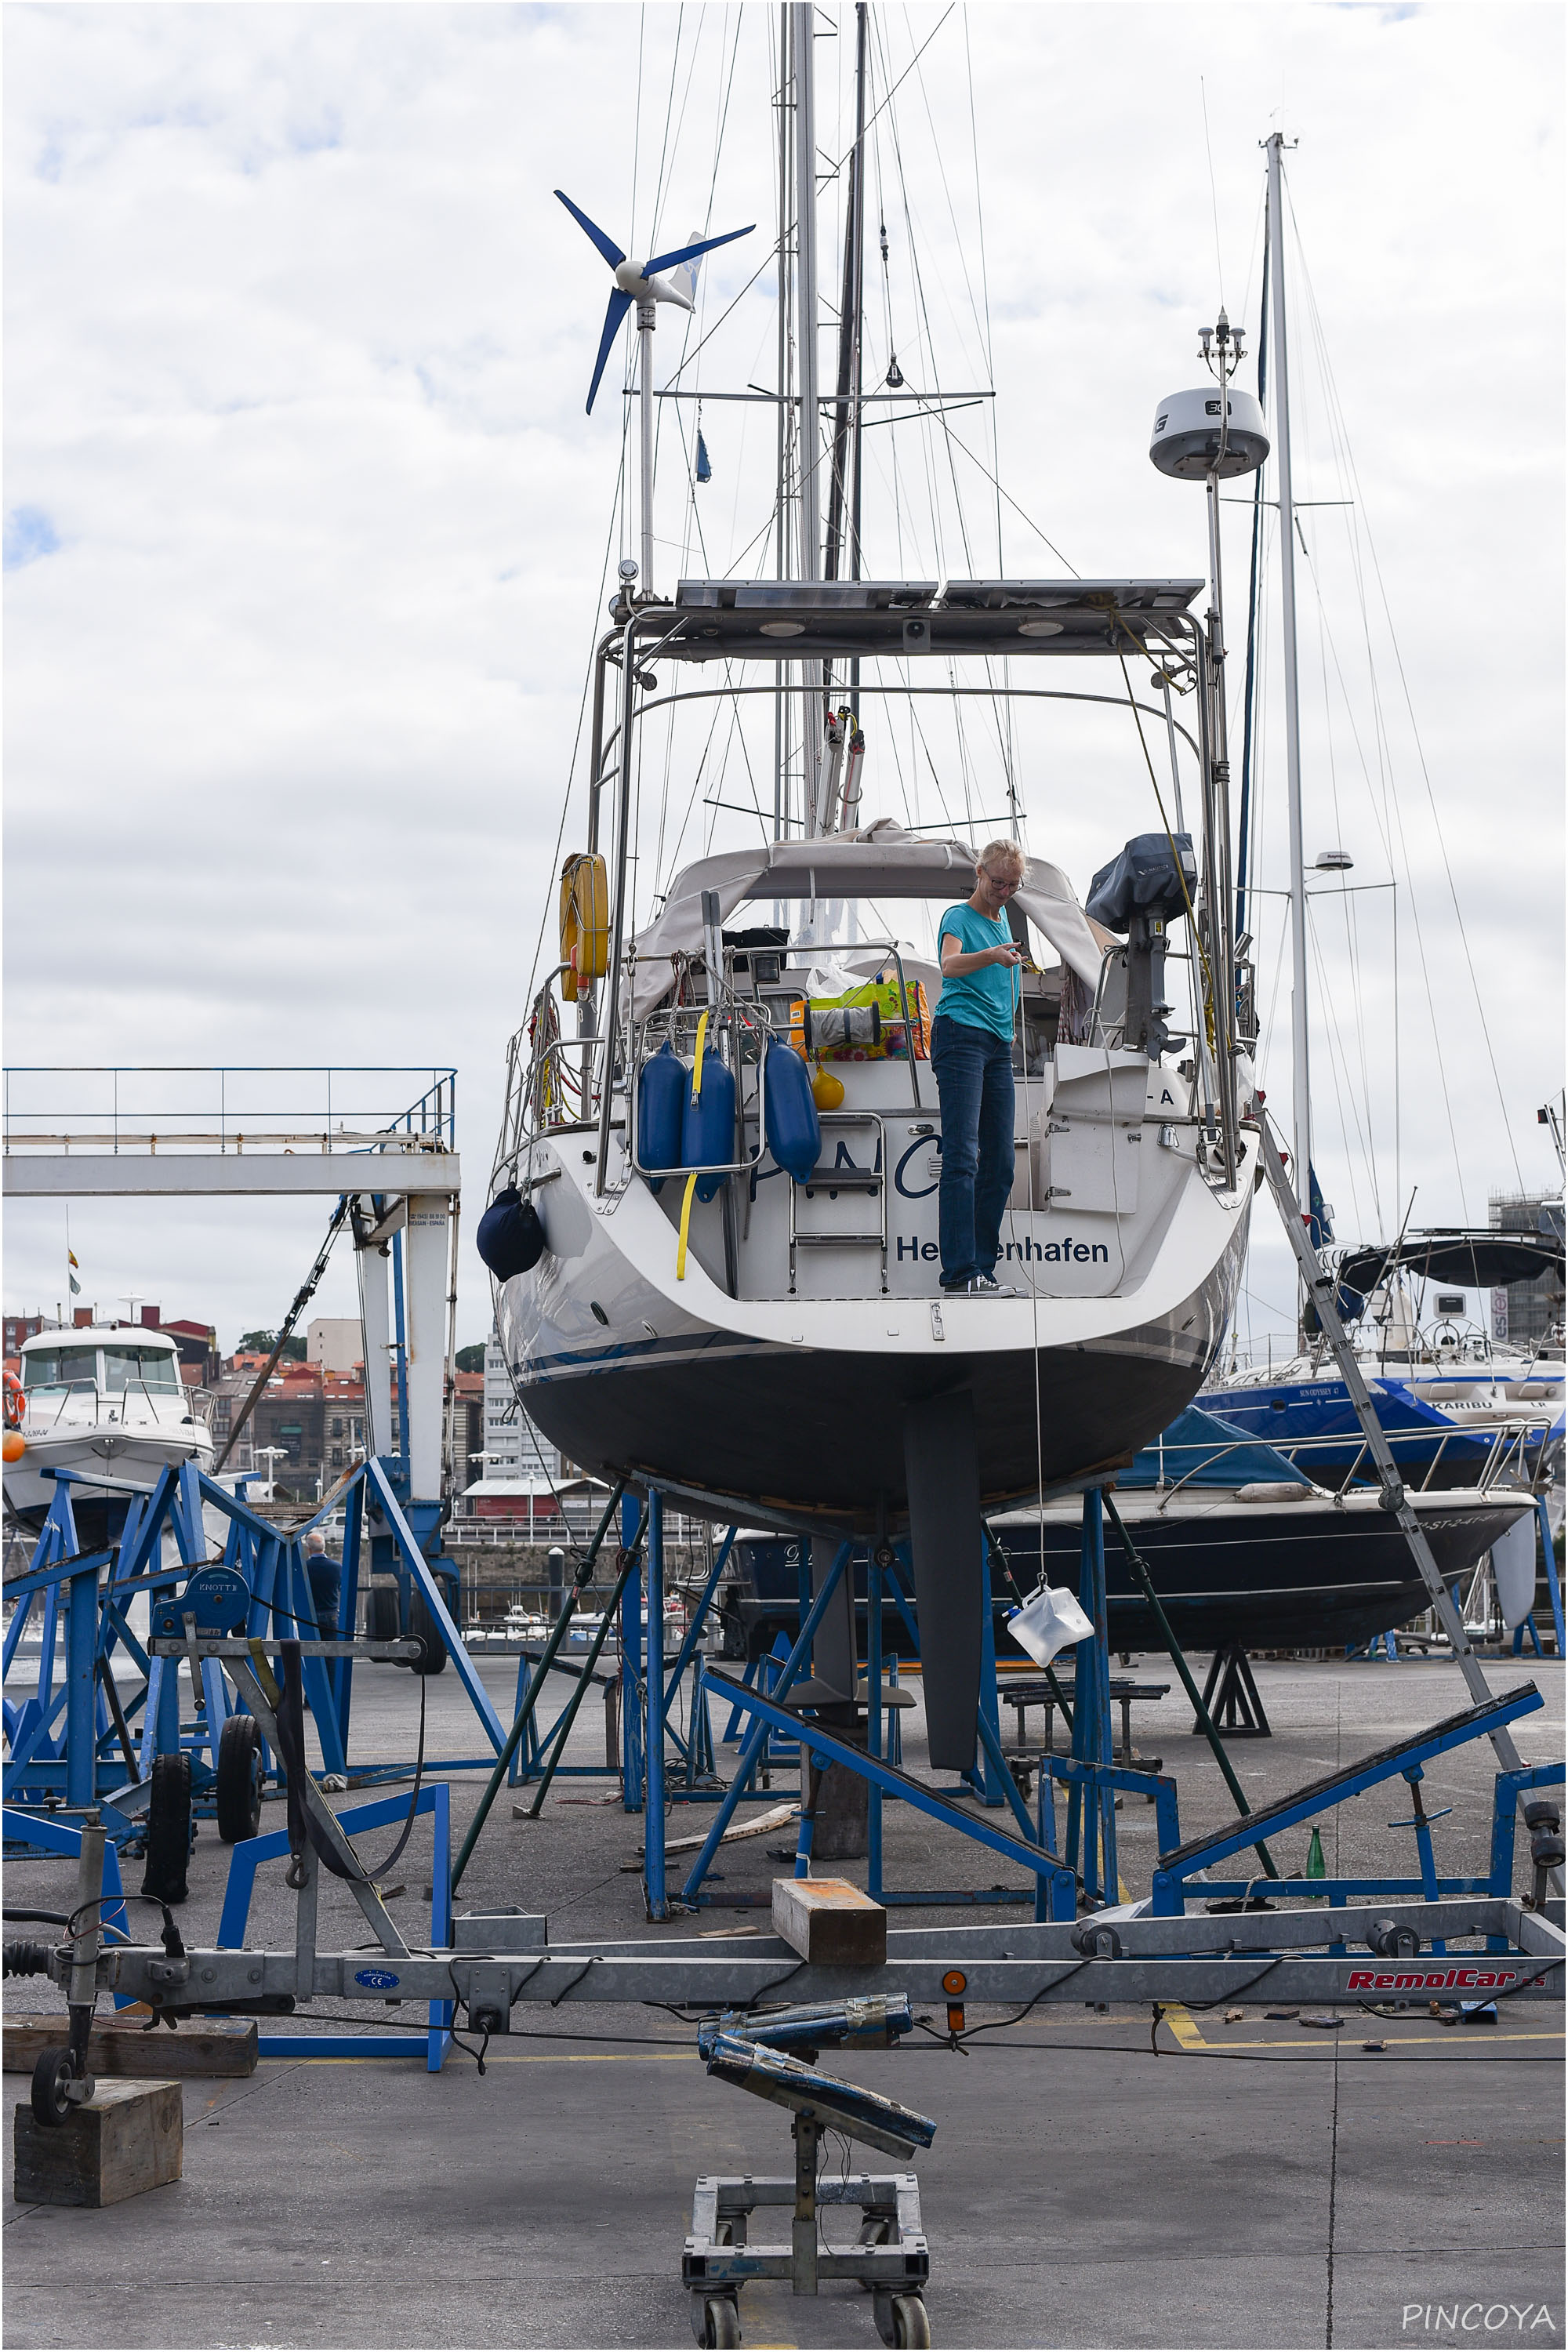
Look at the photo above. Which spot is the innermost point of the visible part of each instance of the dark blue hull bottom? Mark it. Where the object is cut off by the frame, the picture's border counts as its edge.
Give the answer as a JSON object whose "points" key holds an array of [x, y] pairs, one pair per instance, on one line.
{"points": [[1263, 1579]]}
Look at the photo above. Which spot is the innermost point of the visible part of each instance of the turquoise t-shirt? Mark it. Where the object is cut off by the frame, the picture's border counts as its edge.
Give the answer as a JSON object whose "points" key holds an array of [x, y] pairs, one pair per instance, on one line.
{"points": [[983, 999]]}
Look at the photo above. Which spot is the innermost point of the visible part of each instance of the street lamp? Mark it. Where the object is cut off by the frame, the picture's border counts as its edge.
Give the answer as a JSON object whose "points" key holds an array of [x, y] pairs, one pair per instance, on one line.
{"points": [[270, 1454]]}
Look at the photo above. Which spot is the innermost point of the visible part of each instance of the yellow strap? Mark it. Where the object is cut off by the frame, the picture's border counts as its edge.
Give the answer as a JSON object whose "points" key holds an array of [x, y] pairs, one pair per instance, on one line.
{"points": [[264, 1671], [685, 1217], [696, 1066]]}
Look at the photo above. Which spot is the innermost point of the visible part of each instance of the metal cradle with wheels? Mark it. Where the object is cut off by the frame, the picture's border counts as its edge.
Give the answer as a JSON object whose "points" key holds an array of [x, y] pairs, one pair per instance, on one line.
{"points": [[890, 2257]]}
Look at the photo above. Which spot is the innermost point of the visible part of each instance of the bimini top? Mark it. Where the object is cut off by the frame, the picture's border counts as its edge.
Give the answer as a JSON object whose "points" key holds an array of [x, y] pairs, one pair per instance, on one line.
{"points": [[1483, 1259], [881, 861], [759, 619]]}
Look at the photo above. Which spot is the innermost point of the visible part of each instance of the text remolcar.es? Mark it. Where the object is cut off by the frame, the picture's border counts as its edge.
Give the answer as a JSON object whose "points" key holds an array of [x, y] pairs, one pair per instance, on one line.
{"points": [[1431, 1979]]}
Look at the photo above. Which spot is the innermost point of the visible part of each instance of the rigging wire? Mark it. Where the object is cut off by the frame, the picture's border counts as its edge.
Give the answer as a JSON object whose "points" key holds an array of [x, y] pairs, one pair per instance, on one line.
{"points": [[1214, 192], [1337, 416]]}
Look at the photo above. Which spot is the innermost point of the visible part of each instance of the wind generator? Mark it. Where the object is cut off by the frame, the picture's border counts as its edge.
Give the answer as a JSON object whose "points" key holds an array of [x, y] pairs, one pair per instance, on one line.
{"points": [[639, 283]]}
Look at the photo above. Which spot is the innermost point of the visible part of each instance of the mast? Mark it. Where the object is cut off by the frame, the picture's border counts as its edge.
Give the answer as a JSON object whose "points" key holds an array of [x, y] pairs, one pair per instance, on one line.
{"points": [[847, 403], [645, 387], [808, 442], [1302, 1100], [781, 491]]}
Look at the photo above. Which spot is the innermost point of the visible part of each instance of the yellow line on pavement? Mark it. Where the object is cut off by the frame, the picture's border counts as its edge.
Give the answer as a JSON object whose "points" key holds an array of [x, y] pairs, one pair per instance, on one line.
{"points": [[1179, 2020]]}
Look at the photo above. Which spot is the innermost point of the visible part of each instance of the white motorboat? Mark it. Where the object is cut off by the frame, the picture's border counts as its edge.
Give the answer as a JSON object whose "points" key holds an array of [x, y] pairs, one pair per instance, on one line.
{"points": [[108, 1401]]}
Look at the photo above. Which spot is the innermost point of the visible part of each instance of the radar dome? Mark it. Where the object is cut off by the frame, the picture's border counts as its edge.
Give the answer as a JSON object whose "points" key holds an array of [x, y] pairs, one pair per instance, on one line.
{"points": [[1185, 439]]}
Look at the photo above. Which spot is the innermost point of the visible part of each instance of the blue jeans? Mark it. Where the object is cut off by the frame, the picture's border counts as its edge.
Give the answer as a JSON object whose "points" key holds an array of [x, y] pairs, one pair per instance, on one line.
{"points": [[974, 1082]]}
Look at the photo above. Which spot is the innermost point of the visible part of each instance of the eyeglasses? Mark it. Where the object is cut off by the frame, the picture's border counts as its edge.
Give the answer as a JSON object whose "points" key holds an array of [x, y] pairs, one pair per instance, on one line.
{"points": [[1008, 882]]}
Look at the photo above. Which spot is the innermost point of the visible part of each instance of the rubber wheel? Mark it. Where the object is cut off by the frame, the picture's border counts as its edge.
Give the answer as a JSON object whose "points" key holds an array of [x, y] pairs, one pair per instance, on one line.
{"points": [[168, 1829], [911, 2323], [239, 1779], [381, 1622], [51, 2079], [720, 2321], [423, 1628]]}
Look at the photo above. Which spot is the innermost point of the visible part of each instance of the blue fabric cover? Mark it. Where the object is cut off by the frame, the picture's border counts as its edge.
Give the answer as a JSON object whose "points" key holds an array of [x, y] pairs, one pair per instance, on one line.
{"points": [[794, 1131], [511, 1238], [708, 1122], [661, 1099], [1143, 879], [1194, 1449]]}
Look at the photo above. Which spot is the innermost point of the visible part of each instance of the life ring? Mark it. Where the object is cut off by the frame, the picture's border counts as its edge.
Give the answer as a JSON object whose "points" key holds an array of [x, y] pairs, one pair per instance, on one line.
{"points": [[15, 1401]]}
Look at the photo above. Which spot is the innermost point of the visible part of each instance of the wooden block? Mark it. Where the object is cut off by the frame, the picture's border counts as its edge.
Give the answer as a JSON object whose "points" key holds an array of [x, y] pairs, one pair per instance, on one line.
{"points": [[128, 2137], [831, 1923], [219, 2046]]}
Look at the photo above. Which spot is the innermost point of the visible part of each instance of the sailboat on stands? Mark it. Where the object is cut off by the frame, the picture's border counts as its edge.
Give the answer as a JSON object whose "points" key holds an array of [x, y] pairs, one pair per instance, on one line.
{"points": [[715, 1276]]}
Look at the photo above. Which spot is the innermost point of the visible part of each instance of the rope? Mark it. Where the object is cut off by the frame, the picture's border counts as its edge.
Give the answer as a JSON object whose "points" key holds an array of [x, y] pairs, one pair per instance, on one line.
{"points": [[685, 1224]]}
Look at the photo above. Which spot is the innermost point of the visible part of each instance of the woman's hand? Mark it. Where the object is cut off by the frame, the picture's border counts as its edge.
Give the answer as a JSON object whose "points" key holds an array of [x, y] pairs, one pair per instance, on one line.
{"points": [[1009, 954]]}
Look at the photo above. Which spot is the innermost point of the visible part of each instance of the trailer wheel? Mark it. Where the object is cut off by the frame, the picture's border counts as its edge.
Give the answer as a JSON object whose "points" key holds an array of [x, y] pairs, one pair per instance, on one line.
{"points": [[720, 2321], [423, 1629], [51, 2081], [168, 1829], [381, 1613], [239, 1779]]}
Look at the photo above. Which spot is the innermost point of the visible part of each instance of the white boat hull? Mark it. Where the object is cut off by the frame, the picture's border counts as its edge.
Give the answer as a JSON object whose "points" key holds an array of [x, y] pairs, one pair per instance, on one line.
{"points": [[132, 1455], [792, 1409]]}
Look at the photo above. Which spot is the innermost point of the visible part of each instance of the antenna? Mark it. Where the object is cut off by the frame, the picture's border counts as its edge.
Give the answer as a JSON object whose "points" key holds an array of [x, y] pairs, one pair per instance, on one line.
{"points": [[638, 282]]}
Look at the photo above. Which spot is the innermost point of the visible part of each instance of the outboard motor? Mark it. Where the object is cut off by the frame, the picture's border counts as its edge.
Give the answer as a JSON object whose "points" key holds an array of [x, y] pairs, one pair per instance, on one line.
{"points": [[1142, 891]]}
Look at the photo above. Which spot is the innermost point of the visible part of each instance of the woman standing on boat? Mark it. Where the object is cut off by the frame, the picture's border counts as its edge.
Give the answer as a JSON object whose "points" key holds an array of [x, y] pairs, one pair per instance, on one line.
{"points": [[971, 1055]]}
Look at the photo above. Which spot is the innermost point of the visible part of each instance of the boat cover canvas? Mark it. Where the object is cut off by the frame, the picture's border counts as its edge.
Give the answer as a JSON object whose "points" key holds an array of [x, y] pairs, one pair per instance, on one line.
{"points": [[1143, 878], [1484, 1260], [880, 861], [1207, 1451]]}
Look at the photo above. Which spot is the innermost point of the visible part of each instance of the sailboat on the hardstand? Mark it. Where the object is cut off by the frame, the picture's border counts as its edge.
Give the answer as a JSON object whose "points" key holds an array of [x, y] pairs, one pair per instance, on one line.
{"points": [[714, 1276]]}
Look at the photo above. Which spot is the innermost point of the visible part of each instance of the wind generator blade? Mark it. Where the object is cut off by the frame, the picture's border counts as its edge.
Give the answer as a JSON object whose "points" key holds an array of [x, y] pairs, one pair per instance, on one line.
{"points": [[611, 251], [619, 305], [681, 253]]}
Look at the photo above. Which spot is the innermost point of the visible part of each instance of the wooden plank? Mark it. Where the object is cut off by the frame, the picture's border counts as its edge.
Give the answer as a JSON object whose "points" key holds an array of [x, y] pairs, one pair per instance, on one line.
{"points": [[127, 2138], [219, 2046], [777, 1817], [830, 1923]]}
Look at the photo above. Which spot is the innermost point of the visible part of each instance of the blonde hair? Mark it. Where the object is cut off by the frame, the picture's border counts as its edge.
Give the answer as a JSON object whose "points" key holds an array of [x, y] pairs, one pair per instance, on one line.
{"points": [[1004, 853]]}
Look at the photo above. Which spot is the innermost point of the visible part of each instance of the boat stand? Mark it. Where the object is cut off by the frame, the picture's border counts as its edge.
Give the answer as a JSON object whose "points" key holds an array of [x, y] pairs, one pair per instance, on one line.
{"points": [[891, 2258], [1230, 1694], [1182, 1873], [79, 1741]]}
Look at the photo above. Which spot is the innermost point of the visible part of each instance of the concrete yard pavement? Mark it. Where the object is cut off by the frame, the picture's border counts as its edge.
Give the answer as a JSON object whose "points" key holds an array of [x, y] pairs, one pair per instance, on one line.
{"points": [[1257, 2182]]}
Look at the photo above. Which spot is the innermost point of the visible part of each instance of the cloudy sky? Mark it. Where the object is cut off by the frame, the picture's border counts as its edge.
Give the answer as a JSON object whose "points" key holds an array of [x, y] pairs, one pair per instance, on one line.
{"points": [[306, 531]]}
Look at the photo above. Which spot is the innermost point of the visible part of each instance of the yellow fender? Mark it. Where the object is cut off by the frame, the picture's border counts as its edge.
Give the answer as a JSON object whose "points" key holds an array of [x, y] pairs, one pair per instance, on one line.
{"points": [[584, 923]]}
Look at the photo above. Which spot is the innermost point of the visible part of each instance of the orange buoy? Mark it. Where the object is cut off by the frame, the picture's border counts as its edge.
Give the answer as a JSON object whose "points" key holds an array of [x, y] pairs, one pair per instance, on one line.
{"points": [[13, 1445]]}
